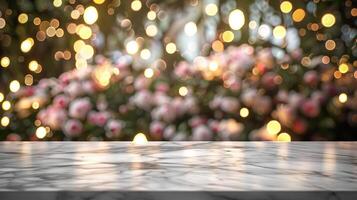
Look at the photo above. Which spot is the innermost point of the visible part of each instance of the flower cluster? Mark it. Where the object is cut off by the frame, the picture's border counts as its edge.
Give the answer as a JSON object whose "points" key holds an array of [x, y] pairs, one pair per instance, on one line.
{"points": [[243, 93]]}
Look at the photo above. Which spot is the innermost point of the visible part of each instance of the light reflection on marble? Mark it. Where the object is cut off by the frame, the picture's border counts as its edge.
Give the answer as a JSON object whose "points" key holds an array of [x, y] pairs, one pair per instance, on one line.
{"points": [[184, 166]]}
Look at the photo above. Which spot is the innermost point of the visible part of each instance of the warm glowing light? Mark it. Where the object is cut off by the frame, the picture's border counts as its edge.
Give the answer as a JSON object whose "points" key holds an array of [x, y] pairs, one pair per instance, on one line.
{"points": [[86, 52], [132, 47], [26, 45], [6, 105], [5, 121], [211, 9], [217, 46], [14, 86], [57, 3], [78, 45], [286, 6], [190, 28], [343, 68], [5, 61], [23, 18], [102, 75], [145, 54], [328, 20], [136, 5], [84, 32], [170, 48], [90, 15], [140, 138], [273, 127], [98, 1], [1, 97], [151, 30], [41, 132], [330, 45], [298, 15], [151, 15], [183, 91], [228, 36], [284, 137], [236, 19], [343, 97], [35, 105], [2, 23], [28, 79], [149, 73], [33, 65], [244, 112], [279, 32]]}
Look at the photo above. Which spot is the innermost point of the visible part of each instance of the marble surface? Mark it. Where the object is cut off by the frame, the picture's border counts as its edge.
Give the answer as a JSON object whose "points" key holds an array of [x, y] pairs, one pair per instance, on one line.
{"points": [[184, 166]]}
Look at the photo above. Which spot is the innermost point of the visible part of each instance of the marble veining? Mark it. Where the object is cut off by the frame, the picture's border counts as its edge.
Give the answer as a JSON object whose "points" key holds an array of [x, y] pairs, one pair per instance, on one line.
{"points": [[178, 166]]}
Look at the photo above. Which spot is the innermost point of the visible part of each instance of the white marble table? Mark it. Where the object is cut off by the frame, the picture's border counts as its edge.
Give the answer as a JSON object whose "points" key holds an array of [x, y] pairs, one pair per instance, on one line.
{"points": [[203, 170]]}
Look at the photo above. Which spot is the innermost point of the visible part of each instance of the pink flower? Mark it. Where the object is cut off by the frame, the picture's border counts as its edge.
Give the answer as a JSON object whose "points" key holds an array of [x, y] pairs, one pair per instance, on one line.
{"points": [[142, 83], [61, 101], [142, 99], [183, 69], [13, 137], [230, 104], [197, 121], [79, 108], [202, 133], [113, 128], [162, 87], [262, 105], [310, 108], [311, 78], [285, 114], [98, 118], [169, 132], [157, 129], [73, 128], [299, 126], [74, 89], [54, 117]]}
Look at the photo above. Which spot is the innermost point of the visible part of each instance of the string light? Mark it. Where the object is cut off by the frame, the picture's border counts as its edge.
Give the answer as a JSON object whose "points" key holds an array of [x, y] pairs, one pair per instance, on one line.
{"points": [[343, 68], [41, 132], [140, 139], [151, 15], [136, 5], [145, 54], [151, 30], [286, 6], [183, 91], [22, 18], [273, 127], [2, 97], [244, 112], [236, 19], [211, 9], [6, 105], [343, 97], [328, 20], [5, 121], [228, 36], [57, 3], [26, 45], [5, 61], [284, 137], [132, 47], [90, 15], [149, 73], [190, 28], [98, 1], [14, 86], [170, 48], [279, 32], [298, 15]]}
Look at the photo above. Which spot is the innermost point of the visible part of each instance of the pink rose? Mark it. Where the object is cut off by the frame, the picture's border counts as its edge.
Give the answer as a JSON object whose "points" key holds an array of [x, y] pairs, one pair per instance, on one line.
{"points": [[73, 128], [169, 132], [53, 117], [310, 108], [113, 128], [299, 126], [202, 133], [142, 99], [142, 83], [74, 89], [157, 129], [311, 78], [61, 101], [79, 108], [98, 118], [13, 137]]}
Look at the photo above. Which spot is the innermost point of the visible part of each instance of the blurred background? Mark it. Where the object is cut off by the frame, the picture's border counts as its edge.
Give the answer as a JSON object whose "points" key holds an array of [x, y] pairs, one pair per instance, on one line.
{"points": [[178, 70]]}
